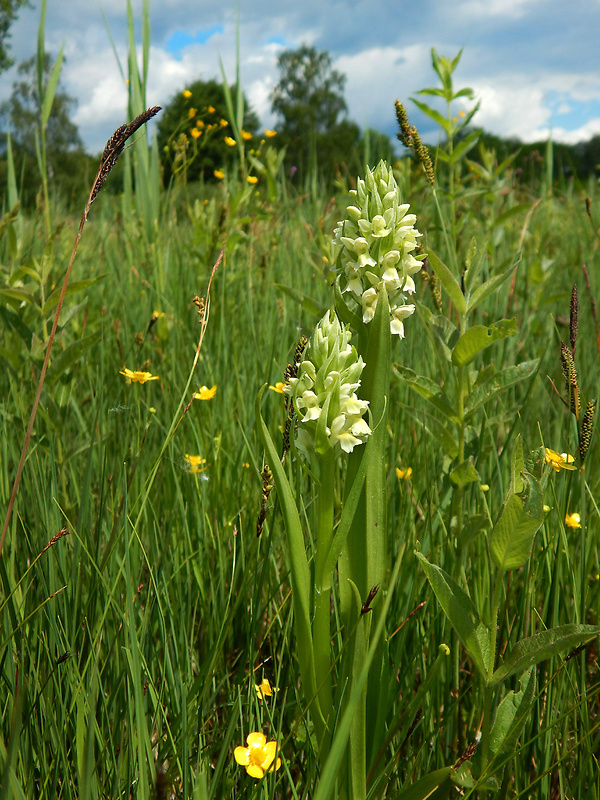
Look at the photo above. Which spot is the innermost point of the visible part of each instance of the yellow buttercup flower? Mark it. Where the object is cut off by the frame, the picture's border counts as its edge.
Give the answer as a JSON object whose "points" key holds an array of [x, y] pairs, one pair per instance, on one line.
{"points": [[573, 520], [269, 134], [229, 141], [245, 135], [205, 393], [558, 460], [195, 463], [278, 387], [187, 93], [404, 474], [136, 376], [199, 123], [219, 174], [223, 123], [264, 689], [211, 109], [259, 756], [252, 179], [196, 133], [192, 113]]}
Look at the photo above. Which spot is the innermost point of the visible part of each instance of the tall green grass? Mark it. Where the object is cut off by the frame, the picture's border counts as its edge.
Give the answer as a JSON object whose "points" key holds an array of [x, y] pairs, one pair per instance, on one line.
{"points": [[130, 648]]}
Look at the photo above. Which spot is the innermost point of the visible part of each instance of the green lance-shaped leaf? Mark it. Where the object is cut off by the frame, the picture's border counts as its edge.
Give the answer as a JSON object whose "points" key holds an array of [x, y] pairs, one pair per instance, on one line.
{"points": [[308, 303], [511, 717], [436, 785], [297, 551], [497, 383], [428, 389], [522, 514], [477, 338], [463, 474], [449, 282], [461, 612], [487, 288], [543, 646]]}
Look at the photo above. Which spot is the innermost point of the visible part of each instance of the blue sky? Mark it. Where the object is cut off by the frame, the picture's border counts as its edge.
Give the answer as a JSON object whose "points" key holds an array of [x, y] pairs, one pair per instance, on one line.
{"points": [[531, 63]]}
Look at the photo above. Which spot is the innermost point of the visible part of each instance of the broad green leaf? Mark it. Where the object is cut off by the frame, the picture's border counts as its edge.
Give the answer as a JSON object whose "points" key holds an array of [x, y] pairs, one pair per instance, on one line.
{"points": [[308, 303], [511, 539], [428, 389], [463, 147], [461, 612], [463, 474], [477, 338], [434, 92], [449, 282], [511, 716], [543, 646], [435, 115], [487, 288], [19, 295], [434, 786], [74, 286], [71, 355], [498, 383]]}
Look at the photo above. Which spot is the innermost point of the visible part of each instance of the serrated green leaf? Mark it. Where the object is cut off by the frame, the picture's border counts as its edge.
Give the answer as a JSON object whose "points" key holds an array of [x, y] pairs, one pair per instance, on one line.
{"points": [[461, 613], [542, 646], [449, 282], [479, 337]]}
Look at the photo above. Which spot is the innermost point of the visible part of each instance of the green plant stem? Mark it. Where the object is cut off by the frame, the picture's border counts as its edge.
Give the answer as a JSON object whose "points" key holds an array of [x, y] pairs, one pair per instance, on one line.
{"points": [[321, 624]]}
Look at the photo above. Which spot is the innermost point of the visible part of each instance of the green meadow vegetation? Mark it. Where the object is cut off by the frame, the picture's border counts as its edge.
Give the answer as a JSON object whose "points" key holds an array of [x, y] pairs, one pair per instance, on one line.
{"points": [[236, 562]]}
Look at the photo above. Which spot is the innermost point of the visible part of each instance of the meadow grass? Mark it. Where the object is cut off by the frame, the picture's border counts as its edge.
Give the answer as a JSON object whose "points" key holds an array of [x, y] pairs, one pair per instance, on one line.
{"points": [[131, 646]]}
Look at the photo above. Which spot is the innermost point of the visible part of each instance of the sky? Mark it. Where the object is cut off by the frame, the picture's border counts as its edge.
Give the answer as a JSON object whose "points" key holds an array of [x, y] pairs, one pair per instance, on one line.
{"points": [[532, 64]]}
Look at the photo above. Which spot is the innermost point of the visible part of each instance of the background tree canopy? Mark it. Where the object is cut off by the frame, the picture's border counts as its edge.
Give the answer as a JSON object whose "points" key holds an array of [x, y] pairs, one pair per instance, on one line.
{"points": [[309, 100], [8, 11], [192, 130]]}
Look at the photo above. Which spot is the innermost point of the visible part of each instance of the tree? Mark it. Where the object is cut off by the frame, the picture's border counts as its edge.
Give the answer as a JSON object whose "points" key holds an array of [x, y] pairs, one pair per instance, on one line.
{"points": [[21, 113], [309, 100], [192, 130], [8, 12]]}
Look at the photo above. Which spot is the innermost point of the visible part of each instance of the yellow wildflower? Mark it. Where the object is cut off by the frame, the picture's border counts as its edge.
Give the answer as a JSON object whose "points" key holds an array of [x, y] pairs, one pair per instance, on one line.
{"points": [[573, 520], [404, 474], [558, 460], [269, 134], [219, 174], [187, 93], [135, 376], [195, 463], [485, 487], [192, 113], [205, 393], [259, 756], [229, 141], [252, 179], [264, 689], [245, 135], [223, 123], [278, 387], [211, 109], [199, 123], [196, 133]]}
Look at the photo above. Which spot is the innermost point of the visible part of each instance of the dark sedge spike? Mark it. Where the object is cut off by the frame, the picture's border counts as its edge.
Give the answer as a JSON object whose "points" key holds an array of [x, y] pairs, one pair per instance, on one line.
{"points": [[574, 318], [422, 154], [570, 376], [405, 135], [267, 476], [587, 429], [588, 207]]}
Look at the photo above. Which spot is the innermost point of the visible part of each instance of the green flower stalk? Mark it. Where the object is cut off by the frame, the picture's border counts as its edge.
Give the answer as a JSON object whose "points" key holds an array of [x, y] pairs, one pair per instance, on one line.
{"points": [[330, 415], [373, 247]]}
